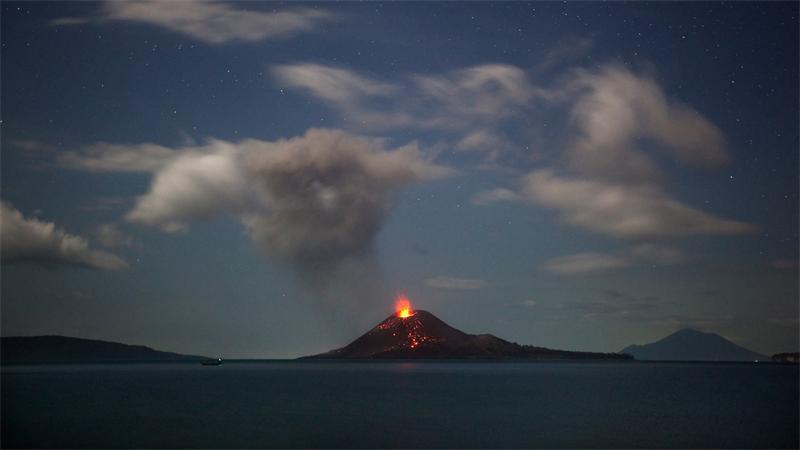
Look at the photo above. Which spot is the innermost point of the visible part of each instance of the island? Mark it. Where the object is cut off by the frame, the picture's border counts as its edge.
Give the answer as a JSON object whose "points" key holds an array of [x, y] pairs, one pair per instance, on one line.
{"points": [[421, 335], [791, 358], [63, 349], [693, 345]]}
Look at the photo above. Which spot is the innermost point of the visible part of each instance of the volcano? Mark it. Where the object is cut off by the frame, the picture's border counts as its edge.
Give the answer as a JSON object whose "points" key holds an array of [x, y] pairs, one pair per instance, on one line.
{"points": [[421, 335]]}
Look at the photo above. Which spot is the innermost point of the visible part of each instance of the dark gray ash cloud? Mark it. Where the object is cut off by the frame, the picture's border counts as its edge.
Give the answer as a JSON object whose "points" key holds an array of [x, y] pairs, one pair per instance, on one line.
{"points": [[312, 201], [329, 193]]}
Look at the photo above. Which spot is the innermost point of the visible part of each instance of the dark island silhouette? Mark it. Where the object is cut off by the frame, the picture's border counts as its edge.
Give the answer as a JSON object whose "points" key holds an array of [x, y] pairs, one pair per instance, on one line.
{"points": [[421, 335], [62, 349], [793, 358], [693, 345]]}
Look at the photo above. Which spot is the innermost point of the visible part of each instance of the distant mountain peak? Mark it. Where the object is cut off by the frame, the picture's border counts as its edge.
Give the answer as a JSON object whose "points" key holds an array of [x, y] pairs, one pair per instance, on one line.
{"points": [[689, 344], [693, 332]]}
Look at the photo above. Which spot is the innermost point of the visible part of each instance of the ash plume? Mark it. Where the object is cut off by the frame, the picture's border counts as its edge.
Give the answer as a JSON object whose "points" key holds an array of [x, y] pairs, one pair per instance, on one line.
{"points": [[315, 202]]}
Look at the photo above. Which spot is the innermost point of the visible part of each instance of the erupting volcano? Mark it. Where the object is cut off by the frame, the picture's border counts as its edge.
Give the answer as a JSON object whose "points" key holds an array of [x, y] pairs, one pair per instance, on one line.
{"points": [[410, 333], [403, 307]]}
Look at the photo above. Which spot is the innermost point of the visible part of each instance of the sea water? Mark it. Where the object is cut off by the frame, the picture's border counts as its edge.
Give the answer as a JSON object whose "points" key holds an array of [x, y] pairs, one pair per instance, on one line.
{"points": [[400, 404]]}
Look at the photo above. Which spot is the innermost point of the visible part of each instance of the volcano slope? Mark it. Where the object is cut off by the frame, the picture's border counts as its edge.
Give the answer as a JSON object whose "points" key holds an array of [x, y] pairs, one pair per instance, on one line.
{"points": [[422, 335]]}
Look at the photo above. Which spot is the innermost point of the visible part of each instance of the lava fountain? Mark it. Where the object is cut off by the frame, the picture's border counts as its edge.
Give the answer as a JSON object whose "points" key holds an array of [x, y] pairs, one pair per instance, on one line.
{"points": [[402, 306]]}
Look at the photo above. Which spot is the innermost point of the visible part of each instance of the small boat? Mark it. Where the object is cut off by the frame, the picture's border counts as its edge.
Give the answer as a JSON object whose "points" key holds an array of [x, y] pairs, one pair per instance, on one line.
{"points": [[212, 362]]}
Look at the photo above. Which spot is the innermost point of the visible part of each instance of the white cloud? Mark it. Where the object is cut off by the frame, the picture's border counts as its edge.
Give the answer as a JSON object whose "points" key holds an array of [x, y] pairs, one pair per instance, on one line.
{"points": [[485, 141], [442, 282], [109, 235], [209, 21], [623, 210], [36, 241], [612, 110], [197, 185], [617, 188], [657, 254], [353, 94], [334, 84], [486, 92], [71, 21], [615, 108], [107, 157], [456, 101], [582, 263], [31, 145], [495, 196], [585, 262]]}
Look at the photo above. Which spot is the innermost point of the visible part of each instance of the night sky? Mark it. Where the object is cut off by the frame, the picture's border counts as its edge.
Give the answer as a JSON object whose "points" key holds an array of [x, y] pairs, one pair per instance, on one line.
{"points": [[260, 180]]}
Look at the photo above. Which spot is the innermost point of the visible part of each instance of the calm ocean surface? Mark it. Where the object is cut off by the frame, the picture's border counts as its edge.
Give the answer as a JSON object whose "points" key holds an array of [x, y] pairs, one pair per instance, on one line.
{"points": [[400, 404]]}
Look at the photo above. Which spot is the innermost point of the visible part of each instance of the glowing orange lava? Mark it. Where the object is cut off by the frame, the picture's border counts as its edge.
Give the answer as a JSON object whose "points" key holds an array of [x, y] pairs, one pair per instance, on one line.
{"points": [[403, 307]]}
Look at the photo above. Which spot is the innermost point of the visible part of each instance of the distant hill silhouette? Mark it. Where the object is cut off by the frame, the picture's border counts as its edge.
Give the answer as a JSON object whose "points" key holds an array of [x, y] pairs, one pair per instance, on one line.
{"points": [[787, 357], [693, 345], [46, 349], [423, 335]]}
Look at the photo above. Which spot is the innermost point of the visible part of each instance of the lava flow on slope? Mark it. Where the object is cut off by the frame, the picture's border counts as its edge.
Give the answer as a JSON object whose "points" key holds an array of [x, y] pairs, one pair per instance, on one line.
{"points": [[410, 333]]}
